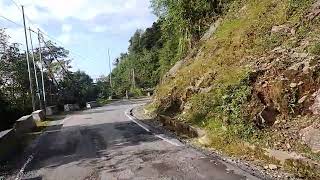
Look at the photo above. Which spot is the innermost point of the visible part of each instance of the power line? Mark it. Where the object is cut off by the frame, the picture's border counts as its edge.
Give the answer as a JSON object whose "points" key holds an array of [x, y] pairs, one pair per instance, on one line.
{"points": [[16, 4], [54, 39], [61, 43], [11, 21], [50, 37]]}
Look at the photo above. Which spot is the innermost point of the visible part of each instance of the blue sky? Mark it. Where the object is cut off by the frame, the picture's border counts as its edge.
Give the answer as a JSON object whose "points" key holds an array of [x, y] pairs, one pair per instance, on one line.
{"points": [[86, 27]]}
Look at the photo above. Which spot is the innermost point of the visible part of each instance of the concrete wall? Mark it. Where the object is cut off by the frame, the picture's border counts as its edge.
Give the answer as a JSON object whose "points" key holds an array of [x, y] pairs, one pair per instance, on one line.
{"points": [[39, 115], [8, 143], [24, 125], [12, 140]]}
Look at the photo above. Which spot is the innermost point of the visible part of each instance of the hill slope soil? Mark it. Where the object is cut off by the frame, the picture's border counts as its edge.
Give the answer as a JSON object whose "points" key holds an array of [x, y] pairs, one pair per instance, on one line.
{"points": [[253, 85]]}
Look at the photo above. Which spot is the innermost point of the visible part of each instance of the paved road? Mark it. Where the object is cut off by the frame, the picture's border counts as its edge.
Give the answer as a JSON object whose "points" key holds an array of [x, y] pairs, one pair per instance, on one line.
{"points": [[105, 144]]}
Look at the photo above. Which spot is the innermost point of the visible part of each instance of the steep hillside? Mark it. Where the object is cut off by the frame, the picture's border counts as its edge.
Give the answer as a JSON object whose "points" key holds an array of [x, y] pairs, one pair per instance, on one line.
{"points": [[254, 80]]}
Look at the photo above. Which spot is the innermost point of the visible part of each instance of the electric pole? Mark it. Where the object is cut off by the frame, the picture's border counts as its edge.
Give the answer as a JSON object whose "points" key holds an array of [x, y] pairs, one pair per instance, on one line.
{"points": [[35, 69], [110, 78], [27, 57], [110, 75], [42, 79], [133, 79]]}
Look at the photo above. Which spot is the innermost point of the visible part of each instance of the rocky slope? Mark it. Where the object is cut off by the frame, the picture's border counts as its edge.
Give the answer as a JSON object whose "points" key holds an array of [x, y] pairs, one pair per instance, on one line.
{"points": [[254, 81]]}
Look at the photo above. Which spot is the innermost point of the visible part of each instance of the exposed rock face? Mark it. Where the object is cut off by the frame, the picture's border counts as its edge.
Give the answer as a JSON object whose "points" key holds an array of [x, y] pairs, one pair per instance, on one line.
{"points": [[315, 108], [311, 136]]}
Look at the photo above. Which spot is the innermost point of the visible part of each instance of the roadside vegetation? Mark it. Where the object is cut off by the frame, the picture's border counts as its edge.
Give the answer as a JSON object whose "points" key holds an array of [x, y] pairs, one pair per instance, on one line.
{"points": [[152, 52], [252, 83], [61, 85]]}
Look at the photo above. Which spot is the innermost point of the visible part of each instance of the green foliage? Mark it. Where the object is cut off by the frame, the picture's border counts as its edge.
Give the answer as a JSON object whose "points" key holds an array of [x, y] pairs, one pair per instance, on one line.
{"points": [[61, 85], [220, 108], [77, 88], [302, 169], [315, 49], [136, 92], [153, 52]]}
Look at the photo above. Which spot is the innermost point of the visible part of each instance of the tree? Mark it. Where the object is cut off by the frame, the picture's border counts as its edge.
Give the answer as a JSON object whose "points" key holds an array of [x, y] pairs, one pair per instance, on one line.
{"points": [[62, 85], [151, 53], [78, 88]]}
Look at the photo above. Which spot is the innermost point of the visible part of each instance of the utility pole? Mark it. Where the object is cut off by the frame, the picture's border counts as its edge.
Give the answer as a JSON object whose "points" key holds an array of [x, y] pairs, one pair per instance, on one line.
{"points": [[110, 79], [110, 75], [35, 70], [133, 79], [27, 56], [42, 79]]}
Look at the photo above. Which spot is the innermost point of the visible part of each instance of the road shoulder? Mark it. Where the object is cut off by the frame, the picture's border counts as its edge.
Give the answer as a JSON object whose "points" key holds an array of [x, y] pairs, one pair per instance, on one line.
{"points": [[156, 127]]}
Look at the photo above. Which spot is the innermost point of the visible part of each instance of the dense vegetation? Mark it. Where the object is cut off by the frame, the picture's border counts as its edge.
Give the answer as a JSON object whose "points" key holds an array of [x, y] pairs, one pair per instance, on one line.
{"points": [[61, 85], [253, 85], [151, 53]]}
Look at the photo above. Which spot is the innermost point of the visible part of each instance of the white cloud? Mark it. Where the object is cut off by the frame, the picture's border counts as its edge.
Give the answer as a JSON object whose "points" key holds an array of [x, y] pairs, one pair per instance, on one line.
{"points": [[65, 38], [66, 28], [100, 28], [79, 9], [77, 24]]}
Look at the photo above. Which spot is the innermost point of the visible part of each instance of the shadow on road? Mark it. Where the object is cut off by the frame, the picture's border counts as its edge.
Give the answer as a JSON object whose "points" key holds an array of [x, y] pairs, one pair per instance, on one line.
{"points": [[78, 143]]}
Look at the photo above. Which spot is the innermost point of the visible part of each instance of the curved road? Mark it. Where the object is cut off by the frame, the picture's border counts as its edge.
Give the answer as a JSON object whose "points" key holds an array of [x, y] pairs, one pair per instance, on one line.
{"points": [[104, 143]]}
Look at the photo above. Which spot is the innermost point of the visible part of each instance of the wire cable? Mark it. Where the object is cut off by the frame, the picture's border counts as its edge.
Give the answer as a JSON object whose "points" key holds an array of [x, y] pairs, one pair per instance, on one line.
{"points": [[16, 4], [11, 21], [61, 43]]}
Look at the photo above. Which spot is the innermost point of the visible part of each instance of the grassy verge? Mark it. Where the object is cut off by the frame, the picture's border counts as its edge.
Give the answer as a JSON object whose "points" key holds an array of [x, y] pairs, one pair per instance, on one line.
{"points": [[227, 111]]}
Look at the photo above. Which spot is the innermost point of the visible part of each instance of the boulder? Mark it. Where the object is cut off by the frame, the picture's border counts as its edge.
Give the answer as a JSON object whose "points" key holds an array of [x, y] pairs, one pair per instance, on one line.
{"points": [[311, 136], [39, 115], [315, 108], [25, 124]]}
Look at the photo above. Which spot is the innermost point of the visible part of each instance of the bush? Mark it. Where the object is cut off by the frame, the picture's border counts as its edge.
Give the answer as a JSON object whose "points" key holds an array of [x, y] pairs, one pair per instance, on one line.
{"points": [[136, 92]]}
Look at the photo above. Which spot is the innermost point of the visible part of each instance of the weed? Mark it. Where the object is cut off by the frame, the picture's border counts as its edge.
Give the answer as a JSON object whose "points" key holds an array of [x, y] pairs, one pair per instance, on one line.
{"points": [[293, 100], [244, 32], [315, 49], [302, 169]]}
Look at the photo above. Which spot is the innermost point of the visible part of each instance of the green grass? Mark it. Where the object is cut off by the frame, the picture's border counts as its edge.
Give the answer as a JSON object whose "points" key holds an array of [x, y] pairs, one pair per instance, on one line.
{"points": [[243, 36]]}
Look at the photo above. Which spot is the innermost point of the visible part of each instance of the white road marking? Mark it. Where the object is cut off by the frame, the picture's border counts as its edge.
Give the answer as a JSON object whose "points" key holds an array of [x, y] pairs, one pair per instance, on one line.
{"points": [[20, 174], [161, 136], [31, 157], [132, 119], [65, 120]]}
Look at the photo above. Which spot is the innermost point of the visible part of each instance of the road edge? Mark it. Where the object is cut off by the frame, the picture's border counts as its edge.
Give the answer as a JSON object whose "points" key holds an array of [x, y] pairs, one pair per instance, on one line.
{"points": [[243, 166], [147, 128]]}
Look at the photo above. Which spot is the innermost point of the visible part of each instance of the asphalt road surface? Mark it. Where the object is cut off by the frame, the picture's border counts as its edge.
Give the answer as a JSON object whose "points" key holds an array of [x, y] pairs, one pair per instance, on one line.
{"points": [[104, 143]]}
